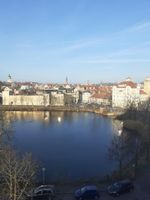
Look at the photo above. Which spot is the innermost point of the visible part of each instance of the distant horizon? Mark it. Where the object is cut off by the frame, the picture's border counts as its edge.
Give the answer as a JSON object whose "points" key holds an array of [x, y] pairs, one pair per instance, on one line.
{"points": [[70, 82], [99, 41]]}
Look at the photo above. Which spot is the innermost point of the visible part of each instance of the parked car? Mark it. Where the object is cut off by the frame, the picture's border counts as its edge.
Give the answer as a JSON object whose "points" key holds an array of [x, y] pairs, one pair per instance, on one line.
{"points": [[42, 197], [87, 192], [42, 192], [120, 187]]}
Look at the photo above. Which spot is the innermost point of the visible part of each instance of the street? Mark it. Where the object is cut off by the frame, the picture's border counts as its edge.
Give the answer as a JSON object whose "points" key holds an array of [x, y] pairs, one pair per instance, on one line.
{"points": [[138, 194]]}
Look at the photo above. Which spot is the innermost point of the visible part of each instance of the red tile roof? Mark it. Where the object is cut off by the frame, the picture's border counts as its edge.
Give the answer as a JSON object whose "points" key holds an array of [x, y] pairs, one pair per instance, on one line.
{"points": [[127, 83], [142, 92], [102, 96]]}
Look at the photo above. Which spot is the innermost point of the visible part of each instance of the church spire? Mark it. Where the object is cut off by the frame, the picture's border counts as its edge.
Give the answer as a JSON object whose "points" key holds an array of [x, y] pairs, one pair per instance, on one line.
{"points": [[66, 80], [9, 79], [9, 76]]}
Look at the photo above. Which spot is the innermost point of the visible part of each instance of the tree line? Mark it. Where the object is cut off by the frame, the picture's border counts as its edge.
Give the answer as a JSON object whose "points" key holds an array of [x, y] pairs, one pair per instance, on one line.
{"points": [[132, 145]]}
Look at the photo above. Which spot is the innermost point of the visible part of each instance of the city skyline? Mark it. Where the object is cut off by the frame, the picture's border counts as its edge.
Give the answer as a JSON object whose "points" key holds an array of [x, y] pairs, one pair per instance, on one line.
{"points": [[45, 41], [66, 81]]}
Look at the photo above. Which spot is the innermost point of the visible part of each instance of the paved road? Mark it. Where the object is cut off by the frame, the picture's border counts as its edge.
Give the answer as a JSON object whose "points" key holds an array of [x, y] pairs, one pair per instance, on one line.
{"points": [[144, 180], [138, 194]]}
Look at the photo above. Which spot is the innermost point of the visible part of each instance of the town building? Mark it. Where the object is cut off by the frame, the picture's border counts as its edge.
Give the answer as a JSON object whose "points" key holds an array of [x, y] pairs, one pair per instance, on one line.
{"points": [[85, 96], [126, 93], [147, 86], [103, 99], [54, 99]]}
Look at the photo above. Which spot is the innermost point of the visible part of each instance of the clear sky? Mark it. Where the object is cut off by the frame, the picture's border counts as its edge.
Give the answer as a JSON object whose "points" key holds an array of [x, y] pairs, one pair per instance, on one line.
{"points": [[95, 40]]}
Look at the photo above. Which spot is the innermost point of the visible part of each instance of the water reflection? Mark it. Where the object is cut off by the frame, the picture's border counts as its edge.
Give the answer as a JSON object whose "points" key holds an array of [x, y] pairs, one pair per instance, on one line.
{"points": [[35, 116], [6, 127], [69, 145], [117, 126]]}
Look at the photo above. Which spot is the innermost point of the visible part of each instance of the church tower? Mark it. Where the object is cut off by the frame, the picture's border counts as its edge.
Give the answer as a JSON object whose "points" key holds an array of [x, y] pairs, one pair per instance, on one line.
{"points": [[9, 79], [66, 80]]}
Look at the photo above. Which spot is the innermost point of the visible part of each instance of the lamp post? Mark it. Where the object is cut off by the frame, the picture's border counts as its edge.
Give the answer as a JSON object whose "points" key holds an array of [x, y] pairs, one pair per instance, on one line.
{"points": [[43, 175], [137, 146], [133, 166]]}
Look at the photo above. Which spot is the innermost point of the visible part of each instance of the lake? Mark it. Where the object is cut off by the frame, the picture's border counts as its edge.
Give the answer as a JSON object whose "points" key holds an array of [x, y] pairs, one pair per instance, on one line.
{"points": [[69, 145]]}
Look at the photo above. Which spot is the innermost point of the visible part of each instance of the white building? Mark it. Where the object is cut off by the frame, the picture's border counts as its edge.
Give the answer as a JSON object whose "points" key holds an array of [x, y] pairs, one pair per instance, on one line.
{"points": [[147, 86], [86, 97], [126, 93]]}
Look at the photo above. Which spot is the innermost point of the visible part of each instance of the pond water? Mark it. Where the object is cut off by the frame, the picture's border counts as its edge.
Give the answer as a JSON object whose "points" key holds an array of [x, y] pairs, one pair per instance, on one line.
{"points": [[68, 145]]}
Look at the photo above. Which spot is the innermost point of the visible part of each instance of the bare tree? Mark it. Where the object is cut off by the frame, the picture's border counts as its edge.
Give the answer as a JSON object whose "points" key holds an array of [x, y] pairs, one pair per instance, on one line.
{"points": [[137, 124], [117, 152], [17, 173]]}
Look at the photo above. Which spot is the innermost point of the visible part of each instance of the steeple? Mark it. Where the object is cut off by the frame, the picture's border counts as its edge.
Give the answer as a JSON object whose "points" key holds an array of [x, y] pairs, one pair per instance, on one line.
{"points": [[9, 79], [66, 80]]}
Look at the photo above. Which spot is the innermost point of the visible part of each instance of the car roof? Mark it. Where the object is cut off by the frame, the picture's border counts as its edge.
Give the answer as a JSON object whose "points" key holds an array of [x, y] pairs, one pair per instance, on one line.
{"points": [[41, 187], [90, 187], [43, 197], [126, 181]]}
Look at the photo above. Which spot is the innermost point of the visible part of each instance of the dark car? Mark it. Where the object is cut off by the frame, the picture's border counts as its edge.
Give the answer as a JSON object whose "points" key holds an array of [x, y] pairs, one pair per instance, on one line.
{"points": [[120, 187], [87, 192]]}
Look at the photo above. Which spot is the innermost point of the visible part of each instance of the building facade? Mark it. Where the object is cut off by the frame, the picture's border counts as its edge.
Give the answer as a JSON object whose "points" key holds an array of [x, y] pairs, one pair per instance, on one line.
{"points": [[147, 86], [126, 93], [54, 99]]}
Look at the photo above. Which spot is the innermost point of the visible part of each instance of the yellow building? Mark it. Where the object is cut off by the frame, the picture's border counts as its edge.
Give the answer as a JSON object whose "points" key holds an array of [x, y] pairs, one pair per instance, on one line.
{"points": [[147, 86]]}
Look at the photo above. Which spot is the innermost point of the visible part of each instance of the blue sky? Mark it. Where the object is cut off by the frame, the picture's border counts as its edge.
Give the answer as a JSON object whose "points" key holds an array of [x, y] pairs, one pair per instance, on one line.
{"points": [[95, 40]]}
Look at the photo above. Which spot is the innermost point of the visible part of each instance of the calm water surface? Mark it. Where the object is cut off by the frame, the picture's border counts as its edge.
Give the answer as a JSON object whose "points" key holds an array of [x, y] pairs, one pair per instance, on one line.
{"points": [[69, 145]]}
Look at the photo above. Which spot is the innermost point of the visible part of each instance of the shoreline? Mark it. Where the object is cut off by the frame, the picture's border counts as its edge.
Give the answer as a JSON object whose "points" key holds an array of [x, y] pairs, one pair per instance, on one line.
{"points": [[101, 110]]}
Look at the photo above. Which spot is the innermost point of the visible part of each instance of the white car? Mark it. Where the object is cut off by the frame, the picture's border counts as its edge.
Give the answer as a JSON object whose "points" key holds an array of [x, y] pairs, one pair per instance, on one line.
{"points": [[43, 191]]}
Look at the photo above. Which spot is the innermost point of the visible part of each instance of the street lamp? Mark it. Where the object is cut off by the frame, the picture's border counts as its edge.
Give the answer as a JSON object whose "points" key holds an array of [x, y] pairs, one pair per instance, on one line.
{"points": [[134, 173], [43, 175]]}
